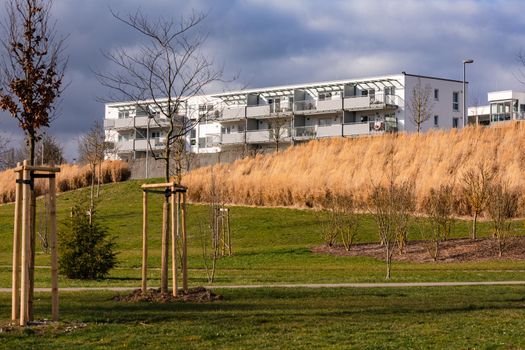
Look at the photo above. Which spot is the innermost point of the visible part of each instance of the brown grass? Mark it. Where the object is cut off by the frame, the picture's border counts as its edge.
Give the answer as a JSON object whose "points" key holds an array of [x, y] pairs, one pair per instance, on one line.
{"points": [[71, 177], [302, 175]]}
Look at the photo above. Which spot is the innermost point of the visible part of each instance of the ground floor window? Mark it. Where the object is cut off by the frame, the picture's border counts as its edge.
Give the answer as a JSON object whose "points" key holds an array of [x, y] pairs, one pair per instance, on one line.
{"points": [[455, 122]]}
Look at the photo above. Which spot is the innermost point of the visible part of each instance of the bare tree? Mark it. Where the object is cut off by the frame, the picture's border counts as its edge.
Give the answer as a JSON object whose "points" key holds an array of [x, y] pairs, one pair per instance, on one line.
{"points": [[420, 104], [32, 65], [167, 69], [49, 151], [438, 207], [5, 153], [91, 150], [392, 205], [339, 219], [279, 129], [476, 182], [502, 208]]}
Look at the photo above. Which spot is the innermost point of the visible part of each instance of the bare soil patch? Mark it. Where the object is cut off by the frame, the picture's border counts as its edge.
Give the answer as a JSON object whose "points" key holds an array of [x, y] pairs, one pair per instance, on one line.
{"points": [[453, 250], [198, 294]]}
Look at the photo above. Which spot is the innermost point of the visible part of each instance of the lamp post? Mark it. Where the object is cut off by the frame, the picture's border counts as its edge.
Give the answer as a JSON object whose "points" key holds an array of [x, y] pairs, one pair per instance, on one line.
{"points": [[465, 62]]}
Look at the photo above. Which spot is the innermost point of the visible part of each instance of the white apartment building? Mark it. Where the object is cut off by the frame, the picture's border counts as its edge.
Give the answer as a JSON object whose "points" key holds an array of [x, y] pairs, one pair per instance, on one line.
{"points": [[503, 106], [260, 118]]}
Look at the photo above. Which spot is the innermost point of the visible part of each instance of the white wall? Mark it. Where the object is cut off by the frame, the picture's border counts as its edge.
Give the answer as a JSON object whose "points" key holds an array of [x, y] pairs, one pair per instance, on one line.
{"points": [[441, 107]]}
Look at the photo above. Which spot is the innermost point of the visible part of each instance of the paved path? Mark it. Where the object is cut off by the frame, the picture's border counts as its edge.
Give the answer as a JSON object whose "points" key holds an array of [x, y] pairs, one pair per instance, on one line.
{"points": [[309, 285]]}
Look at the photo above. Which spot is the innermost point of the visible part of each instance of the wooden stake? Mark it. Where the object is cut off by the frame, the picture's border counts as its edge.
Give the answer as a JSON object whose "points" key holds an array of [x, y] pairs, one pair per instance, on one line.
{"points": [[24, 292], [184, 245], [15, 305], [54, 253], [164, 250], [144, 242], [229, 232], [174, 241]]}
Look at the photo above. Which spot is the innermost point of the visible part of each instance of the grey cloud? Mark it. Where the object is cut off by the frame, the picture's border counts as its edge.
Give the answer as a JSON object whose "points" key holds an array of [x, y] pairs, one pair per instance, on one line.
{"points": [[274, 42]]}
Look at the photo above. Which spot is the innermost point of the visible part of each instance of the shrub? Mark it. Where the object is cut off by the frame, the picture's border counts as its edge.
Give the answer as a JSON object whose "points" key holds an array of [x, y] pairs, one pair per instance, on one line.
{"points": [[86, 250]]}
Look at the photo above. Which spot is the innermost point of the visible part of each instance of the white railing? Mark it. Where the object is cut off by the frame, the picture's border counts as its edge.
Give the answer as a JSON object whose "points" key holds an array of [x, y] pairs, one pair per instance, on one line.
{"points": [[257, 111], [124, 123], [305, 132], [306, 105], [124, 146], [233, 113], [329, 105]]}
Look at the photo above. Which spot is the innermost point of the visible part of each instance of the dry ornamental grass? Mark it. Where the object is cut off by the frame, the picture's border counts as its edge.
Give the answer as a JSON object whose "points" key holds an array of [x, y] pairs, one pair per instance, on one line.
{"points": [[302, 175], [71, 177]]}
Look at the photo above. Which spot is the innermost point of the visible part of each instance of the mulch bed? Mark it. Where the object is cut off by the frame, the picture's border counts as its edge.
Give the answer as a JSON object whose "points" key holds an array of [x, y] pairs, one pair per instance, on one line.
{"points": [[453, 250], [196, 295]]}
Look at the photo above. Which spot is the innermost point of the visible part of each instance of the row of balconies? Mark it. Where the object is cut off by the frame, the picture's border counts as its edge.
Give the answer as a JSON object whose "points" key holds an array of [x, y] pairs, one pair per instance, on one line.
{"points": [[285, 134], [139, 145], [305, 133], [354, 103], [137, 122]]}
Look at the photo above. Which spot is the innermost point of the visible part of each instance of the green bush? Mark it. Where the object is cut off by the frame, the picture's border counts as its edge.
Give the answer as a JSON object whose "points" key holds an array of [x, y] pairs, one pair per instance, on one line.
{"points": [[85, 249]]}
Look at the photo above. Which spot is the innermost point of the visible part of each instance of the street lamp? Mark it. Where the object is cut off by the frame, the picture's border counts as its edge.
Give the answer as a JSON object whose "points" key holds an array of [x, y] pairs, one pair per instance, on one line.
{"points": [[465, 62]]}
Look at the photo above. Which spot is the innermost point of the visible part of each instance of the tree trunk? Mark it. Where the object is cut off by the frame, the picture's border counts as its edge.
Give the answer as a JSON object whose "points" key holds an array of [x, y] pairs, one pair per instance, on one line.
{"points": [[32, 231], [99, 178], [474, 226], [92, 194], [388, 261], [165, 227]]}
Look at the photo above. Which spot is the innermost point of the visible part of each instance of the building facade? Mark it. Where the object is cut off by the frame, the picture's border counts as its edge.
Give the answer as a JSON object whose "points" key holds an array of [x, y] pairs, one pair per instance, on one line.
{"points": [[502, 106], [277, 117]]}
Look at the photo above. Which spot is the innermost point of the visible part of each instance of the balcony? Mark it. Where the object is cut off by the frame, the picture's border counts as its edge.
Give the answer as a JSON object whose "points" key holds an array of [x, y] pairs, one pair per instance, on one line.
{"points": [[125, 123], [124, 146], [233, 113], [109, 124], [153, 122], [255, 136], [154, 143], [338, 130], [258, 111], [372, 102]]}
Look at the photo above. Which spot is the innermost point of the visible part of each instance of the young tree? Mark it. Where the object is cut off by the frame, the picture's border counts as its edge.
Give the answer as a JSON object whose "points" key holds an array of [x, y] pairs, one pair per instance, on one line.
{"points": [[91, 150], [502, 208], [438, 207], [420, 104], [279, 128], [168, 68], [5, 153], [339, 219], [48, 151], [391, 205], [476, 182], [32, 67]]}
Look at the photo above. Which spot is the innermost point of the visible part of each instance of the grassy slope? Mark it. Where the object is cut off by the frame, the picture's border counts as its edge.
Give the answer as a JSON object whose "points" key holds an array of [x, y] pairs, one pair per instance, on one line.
{"points": [[270, 245], [301, 176]]}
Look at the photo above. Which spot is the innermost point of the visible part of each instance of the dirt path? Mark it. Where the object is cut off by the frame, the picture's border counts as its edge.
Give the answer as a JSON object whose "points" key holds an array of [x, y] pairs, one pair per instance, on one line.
{"points": [[306, 285]]}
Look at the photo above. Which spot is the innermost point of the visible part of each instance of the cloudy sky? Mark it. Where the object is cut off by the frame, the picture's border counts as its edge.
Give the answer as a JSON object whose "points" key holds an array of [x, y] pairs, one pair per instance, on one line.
{"points": [[274, 42]]}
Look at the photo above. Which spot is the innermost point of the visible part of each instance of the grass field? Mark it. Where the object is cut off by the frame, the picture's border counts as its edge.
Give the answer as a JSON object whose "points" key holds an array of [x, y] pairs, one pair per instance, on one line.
{"points": [[431, 318], [272, 245]]}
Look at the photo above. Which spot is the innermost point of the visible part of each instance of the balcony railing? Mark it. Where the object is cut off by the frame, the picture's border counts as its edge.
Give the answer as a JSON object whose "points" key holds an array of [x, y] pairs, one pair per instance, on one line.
{"points": [[258, 111], [233, 113], [124, 146]]}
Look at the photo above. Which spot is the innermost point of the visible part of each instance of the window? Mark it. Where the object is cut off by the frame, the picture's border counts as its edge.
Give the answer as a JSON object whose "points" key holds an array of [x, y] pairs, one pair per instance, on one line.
{"points": [[455, 122], [436, 94], [455, 101], [202, 142], [123, 114], [522, 108], [325, 96], [436, 121], [390, 90]]}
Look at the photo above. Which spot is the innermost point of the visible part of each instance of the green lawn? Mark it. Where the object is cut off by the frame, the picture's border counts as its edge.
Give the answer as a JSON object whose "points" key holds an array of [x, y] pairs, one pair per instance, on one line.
{"points": [[459, 317], [271, 245]]}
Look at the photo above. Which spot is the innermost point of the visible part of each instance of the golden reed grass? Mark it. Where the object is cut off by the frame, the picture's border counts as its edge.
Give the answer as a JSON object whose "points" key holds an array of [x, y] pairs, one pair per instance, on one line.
{"points": [[301, 176], [71, 177]]}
